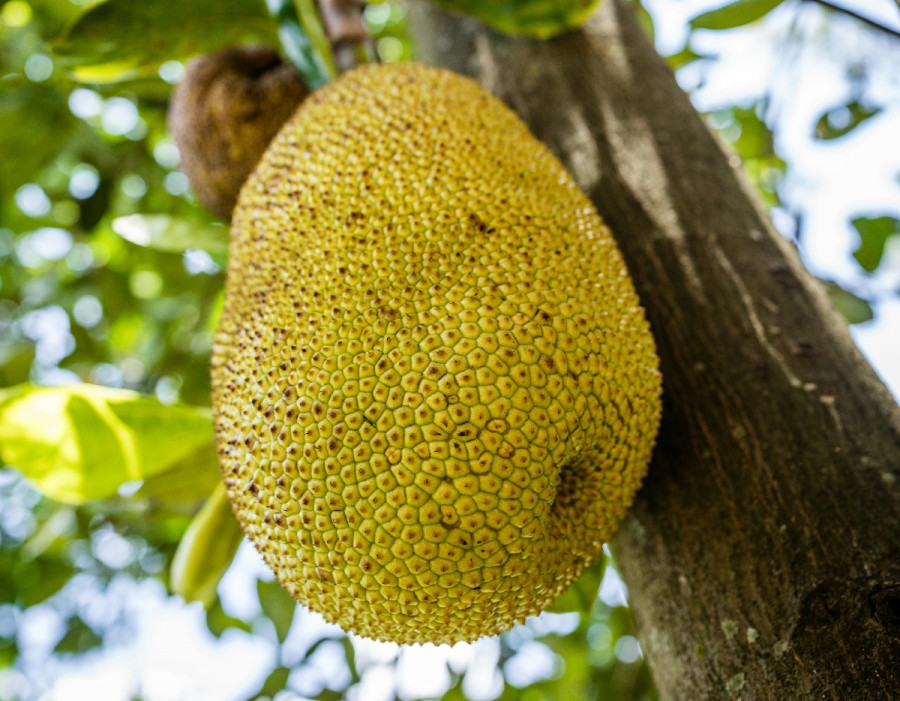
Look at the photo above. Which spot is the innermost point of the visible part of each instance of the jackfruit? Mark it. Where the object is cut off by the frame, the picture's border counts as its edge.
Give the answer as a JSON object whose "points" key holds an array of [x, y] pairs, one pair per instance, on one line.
{"points": [[224, 113], [435, 391]]}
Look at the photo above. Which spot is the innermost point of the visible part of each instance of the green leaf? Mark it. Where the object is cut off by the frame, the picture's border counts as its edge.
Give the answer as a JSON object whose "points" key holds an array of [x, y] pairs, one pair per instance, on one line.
{"points": [[873, 236], [839, 121], [9, 651], [78, 638], [82, 442], [455, 693], [121, 39], [51, 535], [853, 308], [684, 57], [752, 139], [172, 234], [737, 14], [755, 138], [620, 622], [582, 594], [538, 18], [188, 480], [331, 695], [41, 578], [275, 682], [206, 550], [277, 605], [304, 40], [218, 621], [350, 657], [36, 124]]}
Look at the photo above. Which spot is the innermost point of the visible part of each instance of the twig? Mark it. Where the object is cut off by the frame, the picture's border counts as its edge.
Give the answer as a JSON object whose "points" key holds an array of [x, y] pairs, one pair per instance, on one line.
{"points": [[351, 42], [861, 18]]}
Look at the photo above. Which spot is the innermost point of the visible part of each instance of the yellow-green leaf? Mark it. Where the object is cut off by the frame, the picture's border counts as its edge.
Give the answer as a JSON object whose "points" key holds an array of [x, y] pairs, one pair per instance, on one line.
{"points": [[684, 57], [735, 14], [206, 550], [36, 124], [172, 234], [277, 605], [853, 308], [840, 121], [83, 442], [121, 39], [874, 233], [191, 479], [539, 18]]}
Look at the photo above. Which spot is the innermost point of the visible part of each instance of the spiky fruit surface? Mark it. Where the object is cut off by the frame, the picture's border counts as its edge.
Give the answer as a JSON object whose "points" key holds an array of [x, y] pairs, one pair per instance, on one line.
{"points": [[224, 113], [435, 391]]}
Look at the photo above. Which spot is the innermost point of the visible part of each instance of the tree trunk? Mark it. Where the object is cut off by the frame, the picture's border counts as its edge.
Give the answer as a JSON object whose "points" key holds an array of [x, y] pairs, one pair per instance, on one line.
{"points": [[763, 554]]}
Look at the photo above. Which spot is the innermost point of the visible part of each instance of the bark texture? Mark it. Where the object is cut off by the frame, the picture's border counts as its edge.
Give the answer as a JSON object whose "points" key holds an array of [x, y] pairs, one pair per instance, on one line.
{"points": [[763, 554]]}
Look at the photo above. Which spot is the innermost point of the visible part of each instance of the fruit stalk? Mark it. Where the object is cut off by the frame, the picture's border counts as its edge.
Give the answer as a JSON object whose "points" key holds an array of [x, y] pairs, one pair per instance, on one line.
{"points": [[350, 40]]}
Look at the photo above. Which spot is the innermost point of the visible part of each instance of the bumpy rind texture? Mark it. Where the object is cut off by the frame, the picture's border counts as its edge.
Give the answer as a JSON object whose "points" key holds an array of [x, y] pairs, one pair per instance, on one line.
{"points": [[224, 113], [435, 391]]}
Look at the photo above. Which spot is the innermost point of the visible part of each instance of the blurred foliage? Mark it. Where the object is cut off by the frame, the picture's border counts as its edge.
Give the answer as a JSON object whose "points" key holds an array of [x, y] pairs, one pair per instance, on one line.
{"points": [[206, 550], [735, 14], [874, 234], [83, 442], [304, 41], [840, 121], [751, 138], [539, 18], [111, 274], [750, 127], [121, 39], [854, 309]]}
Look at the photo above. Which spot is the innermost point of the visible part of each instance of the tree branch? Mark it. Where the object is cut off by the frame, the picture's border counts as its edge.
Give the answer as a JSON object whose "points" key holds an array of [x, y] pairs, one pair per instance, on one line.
{"points": [[860, 18]]}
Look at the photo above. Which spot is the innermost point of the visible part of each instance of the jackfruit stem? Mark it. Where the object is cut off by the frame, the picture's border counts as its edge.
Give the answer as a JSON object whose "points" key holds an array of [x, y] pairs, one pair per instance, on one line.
{"points": [[350, 40]]}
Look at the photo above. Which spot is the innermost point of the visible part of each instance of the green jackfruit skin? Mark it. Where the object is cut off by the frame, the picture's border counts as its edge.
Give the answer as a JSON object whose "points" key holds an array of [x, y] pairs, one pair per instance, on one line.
{"points": [[435, 391]]}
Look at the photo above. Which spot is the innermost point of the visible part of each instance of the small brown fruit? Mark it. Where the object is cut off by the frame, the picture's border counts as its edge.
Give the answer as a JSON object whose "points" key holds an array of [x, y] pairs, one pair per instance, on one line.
{"points": [[223, 115]]}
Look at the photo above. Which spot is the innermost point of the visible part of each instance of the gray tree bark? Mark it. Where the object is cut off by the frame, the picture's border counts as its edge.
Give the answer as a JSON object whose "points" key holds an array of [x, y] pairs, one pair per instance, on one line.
{"points": [[763, 553]]}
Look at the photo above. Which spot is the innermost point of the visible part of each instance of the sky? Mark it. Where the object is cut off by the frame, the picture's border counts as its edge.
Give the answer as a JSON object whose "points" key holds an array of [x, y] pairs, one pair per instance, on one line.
{"points": [[829, 181]]}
